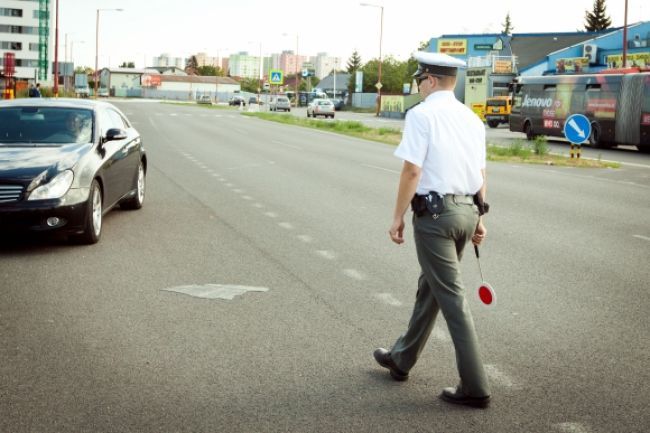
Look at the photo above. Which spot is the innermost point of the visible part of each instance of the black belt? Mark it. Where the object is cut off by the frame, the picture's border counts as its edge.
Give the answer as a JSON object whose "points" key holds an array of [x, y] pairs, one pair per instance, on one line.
{"points": [[419, 202]]}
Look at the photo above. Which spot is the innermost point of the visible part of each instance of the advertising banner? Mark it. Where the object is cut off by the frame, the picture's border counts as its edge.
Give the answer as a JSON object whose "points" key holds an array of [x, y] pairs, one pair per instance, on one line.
{"points": [[641, 60], [452, 46], [358, 83], [571, 65], [150, 80]]}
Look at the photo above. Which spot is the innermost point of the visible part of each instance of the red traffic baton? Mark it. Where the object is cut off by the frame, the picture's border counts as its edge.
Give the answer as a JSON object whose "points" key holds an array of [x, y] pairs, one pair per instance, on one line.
{"points": [[486, 293]]}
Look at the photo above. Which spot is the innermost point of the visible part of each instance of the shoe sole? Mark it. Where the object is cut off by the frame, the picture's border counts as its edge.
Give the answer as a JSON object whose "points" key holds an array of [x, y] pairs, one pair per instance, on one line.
{"points": [[477, 403]]}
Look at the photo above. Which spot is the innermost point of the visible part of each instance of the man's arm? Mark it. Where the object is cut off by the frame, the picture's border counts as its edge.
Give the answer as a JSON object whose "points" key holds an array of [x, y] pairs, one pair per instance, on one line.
{"points": [[408, 183], [481, 231]]}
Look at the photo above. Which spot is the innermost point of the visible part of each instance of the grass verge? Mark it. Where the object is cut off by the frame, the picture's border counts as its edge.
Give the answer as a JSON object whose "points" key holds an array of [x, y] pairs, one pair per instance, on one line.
{"points": [[518, 152]]}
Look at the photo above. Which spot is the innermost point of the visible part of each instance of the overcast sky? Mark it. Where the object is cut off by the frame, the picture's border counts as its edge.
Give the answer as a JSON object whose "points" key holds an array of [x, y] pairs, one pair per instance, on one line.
{"points": [[148, 28]]}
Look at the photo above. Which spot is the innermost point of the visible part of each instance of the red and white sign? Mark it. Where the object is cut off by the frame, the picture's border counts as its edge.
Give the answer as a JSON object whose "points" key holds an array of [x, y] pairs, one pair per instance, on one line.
{"points": [[486, 295]]}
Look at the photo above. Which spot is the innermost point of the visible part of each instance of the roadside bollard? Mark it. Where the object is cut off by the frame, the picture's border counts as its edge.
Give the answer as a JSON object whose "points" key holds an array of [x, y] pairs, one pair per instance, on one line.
{"points": [[575, 151]]}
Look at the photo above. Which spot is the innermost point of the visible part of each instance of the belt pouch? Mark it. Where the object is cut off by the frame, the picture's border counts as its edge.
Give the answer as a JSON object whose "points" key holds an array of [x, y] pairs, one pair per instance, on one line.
{"points": [[435, 203]]}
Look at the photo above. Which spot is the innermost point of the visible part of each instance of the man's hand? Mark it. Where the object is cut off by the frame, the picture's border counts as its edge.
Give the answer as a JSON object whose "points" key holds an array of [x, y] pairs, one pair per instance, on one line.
{"points": [[479, 233], [396, 231]]}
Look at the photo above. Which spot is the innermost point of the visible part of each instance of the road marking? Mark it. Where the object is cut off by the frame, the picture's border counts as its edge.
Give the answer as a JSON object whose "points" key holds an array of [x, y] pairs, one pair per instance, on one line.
{"points": [[215, 291], [230, 185], [354, 274], [271, 214], [572, 427], [238, 191], [645, 238], [173, 114], [258, 205], [329, 255], [247, 197], [286, 145], [500, 378], [380, 168], [286, 225], [305, 238], [389, 299]]}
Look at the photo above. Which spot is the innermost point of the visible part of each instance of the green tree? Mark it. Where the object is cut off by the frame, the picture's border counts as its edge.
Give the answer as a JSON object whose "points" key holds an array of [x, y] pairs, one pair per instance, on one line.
{"points": [[507, 26], [597, 19], [211, 71], [393, 75], [250, 84], [127, 65], [354, 64]]}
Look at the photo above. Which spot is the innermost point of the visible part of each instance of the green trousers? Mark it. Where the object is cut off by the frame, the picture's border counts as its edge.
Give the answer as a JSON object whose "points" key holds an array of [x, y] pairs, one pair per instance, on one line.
{"points": [[440, 243]]}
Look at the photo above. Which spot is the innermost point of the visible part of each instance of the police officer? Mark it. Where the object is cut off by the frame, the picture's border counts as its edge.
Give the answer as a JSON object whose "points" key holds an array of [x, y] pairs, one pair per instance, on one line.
{"points": [[443, 149]]}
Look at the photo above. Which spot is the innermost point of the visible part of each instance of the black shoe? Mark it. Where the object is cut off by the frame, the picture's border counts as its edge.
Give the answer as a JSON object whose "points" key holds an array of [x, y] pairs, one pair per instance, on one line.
{"points": [[456, 396], [382, 356]]}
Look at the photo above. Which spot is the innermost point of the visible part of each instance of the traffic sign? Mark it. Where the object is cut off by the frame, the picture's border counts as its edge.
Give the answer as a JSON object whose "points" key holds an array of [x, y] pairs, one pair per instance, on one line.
{"points": [[379, 86], [577, 128], [276, 77]]}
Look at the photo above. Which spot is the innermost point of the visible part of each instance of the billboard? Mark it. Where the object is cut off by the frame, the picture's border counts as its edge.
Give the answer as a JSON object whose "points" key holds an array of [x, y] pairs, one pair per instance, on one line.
{"points": [[457, 47]]}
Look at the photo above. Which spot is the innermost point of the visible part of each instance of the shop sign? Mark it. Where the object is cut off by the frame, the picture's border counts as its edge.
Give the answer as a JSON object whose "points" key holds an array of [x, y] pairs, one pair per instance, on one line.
{"points": [[483, 47], [502, 66], [571, 65], [453, 46], [640, 60]]}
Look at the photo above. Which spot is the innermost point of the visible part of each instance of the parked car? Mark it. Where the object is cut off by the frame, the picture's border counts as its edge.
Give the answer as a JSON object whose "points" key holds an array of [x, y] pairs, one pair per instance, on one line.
{"points": [[204, 99], [253, 100], [320, 107], [237, 100], [338, 104], [280, 103], [64, 163]]}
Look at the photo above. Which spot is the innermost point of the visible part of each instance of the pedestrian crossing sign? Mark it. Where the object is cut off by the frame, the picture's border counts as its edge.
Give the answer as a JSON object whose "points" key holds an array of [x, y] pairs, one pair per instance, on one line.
{"points": [[276, 77]]}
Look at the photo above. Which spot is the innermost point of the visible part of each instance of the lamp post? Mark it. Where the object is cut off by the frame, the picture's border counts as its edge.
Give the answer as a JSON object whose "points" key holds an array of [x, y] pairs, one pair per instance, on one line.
{"points": [[56, 52], [625, 37], [96, 75], [381, 30]]}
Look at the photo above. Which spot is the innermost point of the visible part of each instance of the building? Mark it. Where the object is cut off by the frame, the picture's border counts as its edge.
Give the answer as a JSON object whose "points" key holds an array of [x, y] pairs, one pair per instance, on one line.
{"points": [[27, 31], [166, 60], [324, 64], [290, 62], [244, 65]]}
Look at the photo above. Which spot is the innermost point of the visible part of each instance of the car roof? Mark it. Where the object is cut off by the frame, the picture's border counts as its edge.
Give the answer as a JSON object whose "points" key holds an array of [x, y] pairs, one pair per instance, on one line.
{"points": [[55, 103]]}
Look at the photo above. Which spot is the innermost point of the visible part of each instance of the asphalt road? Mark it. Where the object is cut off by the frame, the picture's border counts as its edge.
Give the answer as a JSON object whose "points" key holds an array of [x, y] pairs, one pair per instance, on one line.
{"points": [[91, 340]]}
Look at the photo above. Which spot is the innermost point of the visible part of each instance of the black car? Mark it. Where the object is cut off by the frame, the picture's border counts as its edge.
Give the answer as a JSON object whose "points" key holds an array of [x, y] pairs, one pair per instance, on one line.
{"points": [[64, 163], [237, 101]]}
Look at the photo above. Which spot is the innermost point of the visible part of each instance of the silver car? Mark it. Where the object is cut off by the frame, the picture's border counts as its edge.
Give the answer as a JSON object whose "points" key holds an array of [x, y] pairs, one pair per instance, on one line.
{"points": [[280, 103], [320, 107]]}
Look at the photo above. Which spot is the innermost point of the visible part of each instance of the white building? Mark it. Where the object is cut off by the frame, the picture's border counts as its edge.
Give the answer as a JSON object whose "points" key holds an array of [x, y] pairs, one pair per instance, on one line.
{"points": [[166, 60], [244, 65], [20, 29], [324, 64]]}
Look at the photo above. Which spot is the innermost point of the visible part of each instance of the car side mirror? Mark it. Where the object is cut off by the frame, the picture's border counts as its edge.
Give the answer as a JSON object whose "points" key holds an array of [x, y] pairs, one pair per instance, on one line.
{"points": [[115, 134]]}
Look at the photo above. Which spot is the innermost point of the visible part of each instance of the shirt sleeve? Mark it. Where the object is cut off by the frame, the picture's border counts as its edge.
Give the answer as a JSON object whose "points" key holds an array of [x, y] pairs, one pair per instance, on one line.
{"points": [[415, 141]]}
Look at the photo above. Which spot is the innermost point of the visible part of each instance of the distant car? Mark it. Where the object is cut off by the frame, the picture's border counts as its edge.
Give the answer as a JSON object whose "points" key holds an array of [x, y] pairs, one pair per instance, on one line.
{"points": [[338, 104], [320, 107], [280, 103], [64, 163], [103, 91], [204, 99], [253, 100], [237, 100]]}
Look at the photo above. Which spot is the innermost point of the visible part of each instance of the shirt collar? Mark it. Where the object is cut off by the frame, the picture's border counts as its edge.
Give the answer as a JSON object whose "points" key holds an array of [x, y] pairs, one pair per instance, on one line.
{"points": [[441, 95]]}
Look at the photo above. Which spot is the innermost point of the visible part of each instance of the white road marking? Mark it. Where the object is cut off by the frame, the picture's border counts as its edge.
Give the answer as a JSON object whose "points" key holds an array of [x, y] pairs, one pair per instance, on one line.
{"points": [[572, 427], [247, 197], [238, 191], [286, 145], [380, 168], [286, 225], [230, 185], [271, 214], [215, 291], [500, 378], [389, 299], [215, 174], [173, 114], [329, 255], [645, 238], [354, 274], [258, 205], [305, 238]]}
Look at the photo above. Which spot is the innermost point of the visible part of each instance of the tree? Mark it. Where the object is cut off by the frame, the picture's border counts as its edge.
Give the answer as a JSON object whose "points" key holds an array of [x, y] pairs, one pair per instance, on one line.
{"points": [[250, 84], [597, 19], [393, 75], [192, 66], [507, 26], [127, 65], [354, 64], [211, 71]]}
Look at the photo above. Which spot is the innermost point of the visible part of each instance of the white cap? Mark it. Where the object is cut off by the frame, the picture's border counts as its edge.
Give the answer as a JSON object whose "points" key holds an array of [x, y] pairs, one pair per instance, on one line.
{"points": [[437, 64]]}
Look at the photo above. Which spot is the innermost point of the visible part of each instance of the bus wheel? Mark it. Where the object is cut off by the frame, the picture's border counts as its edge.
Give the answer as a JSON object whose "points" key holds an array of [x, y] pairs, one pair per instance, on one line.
{"points": [[528, 130], [643, 149], [492, 123], [595, 138]]}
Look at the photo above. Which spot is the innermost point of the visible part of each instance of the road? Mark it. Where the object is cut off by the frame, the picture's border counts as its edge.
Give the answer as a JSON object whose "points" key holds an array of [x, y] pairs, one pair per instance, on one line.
{"points": [[91, 340]]}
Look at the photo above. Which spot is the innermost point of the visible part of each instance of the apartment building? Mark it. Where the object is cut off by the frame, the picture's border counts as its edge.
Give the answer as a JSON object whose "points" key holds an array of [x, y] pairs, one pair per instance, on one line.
{"points": [[27, 31]]}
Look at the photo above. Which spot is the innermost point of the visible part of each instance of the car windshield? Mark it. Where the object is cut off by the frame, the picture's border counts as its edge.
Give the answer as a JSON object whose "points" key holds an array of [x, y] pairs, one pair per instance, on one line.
{"points": [[45, 125]]}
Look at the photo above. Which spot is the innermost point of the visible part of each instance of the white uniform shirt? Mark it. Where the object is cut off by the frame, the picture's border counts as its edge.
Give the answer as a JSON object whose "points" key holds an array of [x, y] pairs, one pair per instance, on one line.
{"points": [[447, 141]]}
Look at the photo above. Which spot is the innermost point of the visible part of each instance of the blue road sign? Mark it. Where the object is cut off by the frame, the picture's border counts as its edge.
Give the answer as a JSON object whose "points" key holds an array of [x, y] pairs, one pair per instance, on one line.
{"points": [[577, 128], [276, 77]]}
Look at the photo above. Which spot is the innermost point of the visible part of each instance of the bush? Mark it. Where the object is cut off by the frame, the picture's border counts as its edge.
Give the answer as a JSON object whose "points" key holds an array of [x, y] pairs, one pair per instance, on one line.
{"points": [[540, 146]]}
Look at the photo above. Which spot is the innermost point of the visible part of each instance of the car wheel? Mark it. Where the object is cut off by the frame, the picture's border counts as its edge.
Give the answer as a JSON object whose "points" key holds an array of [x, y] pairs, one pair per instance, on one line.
{"points": [[492, 123], [92, 230], [140, 187], [528, 130]]}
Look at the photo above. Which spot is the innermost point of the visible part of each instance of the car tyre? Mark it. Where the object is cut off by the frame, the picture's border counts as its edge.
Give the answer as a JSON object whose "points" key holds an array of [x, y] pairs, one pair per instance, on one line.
{"points": [[140, 188], [492, 123], [92, 230]]}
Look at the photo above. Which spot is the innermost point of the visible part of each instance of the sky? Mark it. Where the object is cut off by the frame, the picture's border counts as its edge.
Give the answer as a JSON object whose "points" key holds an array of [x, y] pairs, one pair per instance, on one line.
{"points": [[146, 28]]}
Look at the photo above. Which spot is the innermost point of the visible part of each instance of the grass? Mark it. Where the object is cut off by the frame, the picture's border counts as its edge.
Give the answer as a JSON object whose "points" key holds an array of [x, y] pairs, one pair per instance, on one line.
{"points": [[518, 152]]}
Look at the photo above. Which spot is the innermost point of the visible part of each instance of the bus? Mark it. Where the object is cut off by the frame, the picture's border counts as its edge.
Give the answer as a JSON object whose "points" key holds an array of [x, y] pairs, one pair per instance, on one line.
{"points": [[617, 105]]}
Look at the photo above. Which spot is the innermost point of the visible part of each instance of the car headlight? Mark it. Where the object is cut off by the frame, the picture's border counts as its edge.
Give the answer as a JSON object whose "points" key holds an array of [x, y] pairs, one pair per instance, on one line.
{"points": [[56, 188]]}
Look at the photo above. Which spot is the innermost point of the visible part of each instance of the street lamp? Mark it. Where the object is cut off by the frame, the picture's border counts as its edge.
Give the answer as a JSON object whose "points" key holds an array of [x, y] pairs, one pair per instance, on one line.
{"points": [[296, 77], [625, 37], [381, 30], [97, 46]]}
